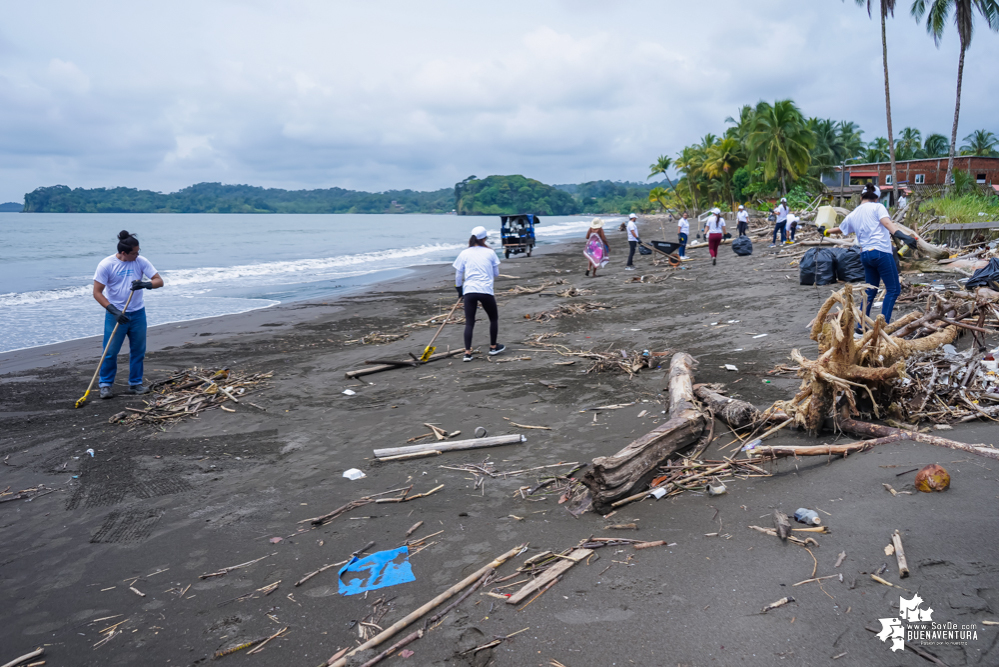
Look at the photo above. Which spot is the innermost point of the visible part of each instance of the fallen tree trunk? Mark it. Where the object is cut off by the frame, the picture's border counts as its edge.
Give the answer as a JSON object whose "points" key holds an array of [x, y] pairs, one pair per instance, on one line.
{"points": [[735, 413], [877, 431], [612, 477]]}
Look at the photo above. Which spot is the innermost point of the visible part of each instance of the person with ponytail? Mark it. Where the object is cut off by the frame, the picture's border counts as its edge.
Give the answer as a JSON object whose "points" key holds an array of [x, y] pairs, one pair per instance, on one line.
{"points": [[874, 229], [475, 269], [117, 277]]}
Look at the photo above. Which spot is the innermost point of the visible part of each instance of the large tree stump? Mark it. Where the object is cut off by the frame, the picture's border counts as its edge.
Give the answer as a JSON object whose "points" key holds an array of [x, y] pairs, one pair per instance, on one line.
{"points": [[613, 477]]}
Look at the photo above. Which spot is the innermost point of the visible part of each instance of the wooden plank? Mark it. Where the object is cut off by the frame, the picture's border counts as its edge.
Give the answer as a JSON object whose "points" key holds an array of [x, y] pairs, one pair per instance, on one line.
{"points": [[957, 227], [549, 575], [444, 446]]}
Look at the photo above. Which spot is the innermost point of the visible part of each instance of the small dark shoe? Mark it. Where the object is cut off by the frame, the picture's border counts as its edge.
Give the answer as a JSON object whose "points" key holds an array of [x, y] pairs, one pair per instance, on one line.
{"points": [[138, 389], [499, 350], [106, 392]]}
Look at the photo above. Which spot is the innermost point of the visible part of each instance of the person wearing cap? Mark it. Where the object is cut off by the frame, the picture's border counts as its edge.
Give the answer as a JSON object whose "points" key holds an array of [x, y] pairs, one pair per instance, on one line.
{"points": [[714, 230], [781, 222], [874, 229], [743, 219], [683, 233], [633, 240], [791, 226], [596, 252], [475, 269]]}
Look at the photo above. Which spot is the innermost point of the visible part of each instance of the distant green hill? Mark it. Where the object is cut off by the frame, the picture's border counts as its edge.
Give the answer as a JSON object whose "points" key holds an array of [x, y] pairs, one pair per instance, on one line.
{"points": [[503, 195], [613, 196], [218, 198], [11, 207]]}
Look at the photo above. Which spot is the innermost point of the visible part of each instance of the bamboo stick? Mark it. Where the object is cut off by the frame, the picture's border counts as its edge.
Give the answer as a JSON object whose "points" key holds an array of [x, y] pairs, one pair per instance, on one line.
{"points": [[903, 566], [393, 629], [473, 443]]}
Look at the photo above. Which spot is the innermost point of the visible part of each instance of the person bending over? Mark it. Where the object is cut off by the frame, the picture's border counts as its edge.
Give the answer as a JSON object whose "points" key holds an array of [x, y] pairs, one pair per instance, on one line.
{"points": [[874, 229], [117, 277], [475, 270]]}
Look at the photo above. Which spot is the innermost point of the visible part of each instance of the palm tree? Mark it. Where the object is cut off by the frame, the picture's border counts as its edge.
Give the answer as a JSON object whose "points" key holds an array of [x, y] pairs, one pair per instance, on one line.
{"points": [[887, 7], [877, 150], [910, 144], [662, 164], [964, 19], [688, 162], [781, 140], [828, 146], [658, 196], [721, 161], [981, 143], [743, 125], [936, 146], [849, 139]]}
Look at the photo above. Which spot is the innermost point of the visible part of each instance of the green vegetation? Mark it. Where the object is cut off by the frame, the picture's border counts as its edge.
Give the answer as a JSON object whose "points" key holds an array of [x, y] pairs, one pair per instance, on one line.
{"points": [[615, 196], [218, 198], [962, 208], [11, 207], [504, 195]]}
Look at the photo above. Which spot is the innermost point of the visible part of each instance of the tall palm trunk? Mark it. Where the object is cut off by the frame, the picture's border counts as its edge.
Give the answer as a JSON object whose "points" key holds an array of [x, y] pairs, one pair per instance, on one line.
{"points": [[957, 112], [891, 136]]}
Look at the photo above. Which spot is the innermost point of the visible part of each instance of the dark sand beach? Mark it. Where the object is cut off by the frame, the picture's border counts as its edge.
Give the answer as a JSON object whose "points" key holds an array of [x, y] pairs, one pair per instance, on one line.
{"points": [[154, 508]]}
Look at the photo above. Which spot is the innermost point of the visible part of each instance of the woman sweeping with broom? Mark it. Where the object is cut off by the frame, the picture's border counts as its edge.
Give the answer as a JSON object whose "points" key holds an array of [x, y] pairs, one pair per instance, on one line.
{"points": [[475, 269]]}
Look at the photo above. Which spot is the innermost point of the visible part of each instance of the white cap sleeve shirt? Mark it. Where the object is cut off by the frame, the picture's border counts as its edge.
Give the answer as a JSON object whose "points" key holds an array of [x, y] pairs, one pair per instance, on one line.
{"points": [[117, 277], [865, 222], [743, 216], [632, 231], [716, 224], [684, 225], [475, 269], [782, 212]]}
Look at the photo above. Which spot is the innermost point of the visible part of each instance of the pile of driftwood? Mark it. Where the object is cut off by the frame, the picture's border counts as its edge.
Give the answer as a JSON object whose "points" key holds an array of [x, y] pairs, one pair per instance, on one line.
{"points": [[947, 387], [402, 496], [847, 371], [617, 361], [545, 284], [567, 309], [377, 338], [30, 493], [191, 391]]}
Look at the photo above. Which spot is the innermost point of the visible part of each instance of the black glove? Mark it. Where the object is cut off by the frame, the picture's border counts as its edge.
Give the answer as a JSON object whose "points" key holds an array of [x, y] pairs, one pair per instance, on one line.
{"points": [[118, 315], [460, 290], [822, 230], [905, 238], [141, 284]]}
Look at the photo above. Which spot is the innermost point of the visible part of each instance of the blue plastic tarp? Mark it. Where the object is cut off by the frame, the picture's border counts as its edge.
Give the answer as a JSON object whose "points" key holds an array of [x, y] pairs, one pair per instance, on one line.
{"points": [[381, 569]]}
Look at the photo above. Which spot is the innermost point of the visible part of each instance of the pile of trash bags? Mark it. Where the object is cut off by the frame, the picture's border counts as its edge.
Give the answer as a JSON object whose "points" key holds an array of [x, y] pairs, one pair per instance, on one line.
{"points": [[825, 266]]}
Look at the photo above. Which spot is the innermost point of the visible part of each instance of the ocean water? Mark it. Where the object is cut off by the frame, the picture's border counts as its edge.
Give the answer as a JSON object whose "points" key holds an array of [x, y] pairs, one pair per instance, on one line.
{"points": [[217, 264]]}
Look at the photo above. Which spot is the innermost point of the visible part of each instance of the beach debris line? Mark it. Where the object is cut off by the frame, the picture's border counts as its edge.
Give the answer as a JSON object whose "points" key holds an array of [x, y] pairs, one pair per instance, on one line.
{"points": [[630, 362], [568, 310], [377, 338], [189, 392]]}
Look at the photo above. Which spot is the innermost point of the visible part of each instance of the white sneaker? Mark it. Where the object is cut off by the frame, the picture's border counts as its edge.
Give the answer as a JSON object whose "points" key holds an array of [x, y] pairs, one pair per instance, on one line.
{"points": [[467, 357], [629, 268]]}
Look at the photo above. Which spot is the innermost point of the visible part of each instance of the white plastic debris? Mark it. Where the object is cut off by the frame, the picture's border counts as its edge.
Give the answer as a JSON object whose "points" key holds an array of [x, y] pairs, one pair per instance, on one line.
{"points": [[349, 392], [657, 493], [752, 445], [91, 452], [716, 489], [760, 335], [730, 367], [353, 474]]}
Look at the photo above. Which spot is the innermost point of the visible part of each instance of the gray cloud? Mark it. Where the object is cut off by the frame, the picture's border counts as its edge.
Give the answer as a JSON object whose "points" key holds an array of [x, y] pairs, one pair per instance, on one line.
{"points": [[395, 94]]}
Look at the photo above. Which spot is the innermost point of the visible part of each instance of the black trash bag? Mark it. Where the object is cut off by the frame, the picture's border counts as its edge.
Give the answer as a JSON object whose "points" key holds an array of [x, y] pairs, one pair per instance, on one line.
{"points": [[825, 266], [742, 246], [849, 267], [806, 268], [987, 276], [642, 250]]}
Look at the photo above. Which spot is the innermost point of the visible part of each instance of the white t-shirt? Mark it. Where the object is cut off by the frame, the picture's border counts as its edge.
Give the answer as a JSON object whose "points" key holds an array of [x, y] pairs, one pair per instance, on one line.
{"points": [[632, 231], [791, 219], [716, 225], [684, 225], [117, 277], [743, 216], [865, 222], [782, 210], [902, 201], [476, 268]]}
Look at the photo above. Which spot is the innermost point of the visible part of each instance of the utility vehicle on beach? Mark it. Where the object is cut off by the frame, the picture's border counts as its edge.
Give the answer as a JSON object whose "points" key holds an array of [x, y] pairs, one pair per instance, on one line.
{"points": [[518, 233]]}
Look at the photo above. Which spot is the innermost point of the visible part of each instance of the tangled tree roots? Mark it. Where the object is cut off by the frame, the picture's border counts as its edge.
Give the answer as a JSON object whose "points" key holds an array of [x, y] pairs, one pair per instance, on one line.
{"points": [[846, 365]]}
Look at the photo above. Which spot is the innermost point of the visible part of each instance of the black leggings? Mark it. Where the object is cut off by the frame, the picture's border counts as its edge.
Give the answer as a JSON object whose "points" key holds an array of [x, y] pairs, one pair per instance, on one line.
{"points": [[488, 302]]}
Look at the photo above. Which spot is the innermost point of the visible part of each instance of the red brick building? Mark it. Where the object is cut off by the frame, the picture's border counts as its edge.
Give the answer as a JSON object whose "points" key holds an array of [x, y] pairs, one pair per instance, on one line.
{"points": [[913, 173]]}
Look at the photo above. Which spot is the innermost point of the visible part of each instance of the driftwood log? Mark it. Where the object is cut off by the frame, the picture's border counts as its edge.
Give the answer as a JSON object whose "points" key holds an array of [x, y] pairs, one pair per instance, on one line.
{"points": [[876, 431], [454, 445], [612, 477], [735, 413]]}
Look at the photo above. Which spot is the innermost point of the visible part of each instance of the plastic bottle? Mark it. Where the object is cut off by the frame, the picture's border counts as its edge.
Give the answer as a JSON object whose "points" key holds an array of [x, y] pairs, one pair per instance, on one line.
{"points": [[807, 516], [752, 445]]}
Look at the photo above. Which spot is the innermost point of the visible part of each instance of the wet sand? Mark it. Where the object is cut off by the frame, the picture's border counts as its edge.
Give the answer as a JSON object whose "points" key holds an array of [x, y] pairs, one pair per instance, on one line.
{"points": [[209, 492]]}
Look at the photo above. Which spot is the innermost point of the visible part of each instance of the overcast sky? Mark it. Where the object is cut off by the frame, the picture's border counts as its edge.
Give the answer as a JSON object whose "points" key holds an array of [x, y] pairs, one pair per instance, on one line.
{"points": [[391, 95]]}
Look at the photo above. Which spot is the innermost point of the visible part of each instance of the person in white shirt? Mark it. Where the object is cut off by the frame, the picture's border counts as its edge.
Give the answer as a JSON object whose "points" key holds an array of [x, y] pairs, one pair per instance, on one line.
{"points": [[475, 269], [902, 201], [714, 230], [779, 226], [683, 233], [791, 226], [117, 277], [874, 229], [633, 241], [742, 218]]}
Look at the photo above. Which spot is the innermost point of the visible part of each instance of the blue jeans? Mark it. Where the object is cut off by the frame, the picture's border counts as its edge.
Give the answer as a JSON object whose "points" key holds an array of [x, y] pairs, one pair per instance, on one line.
{"points": [[880, 266], [683, 245], [780, 226], [135, 329]]}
